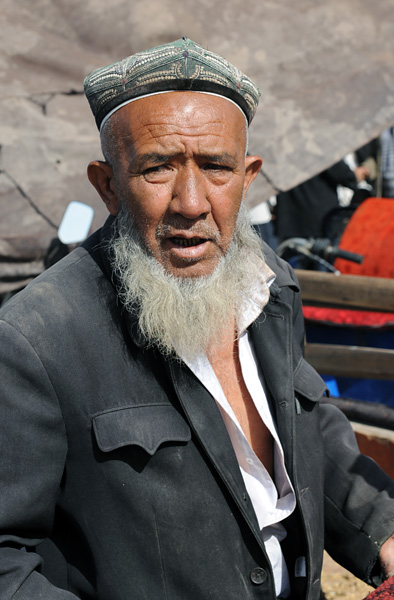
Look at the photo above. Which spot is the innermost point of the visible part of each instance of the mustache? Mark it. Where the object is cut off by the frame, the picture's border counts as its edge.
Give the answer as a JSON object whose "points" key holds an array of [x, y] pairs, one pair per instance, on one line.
{"points": [[197, 229]]}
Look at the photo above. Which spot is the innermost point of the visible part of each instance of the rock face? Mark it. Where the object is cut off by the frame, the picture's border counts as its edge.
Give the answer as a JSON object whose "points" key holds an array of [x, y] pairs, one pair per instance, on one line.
{"points": [[325, 70]]}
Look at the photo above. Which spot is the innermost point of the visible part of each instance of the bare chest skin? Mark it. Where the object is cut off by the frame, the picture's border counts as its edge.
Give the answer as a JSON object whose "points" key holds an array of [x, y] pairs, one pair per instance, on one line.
{"points": [[225, 362]]}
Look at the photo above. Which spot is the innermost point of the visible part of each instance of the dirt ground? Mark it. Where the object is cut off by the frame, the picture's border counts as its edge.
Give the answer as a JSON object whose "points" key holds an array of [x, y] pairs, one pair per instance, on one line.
{"points": [[339, 584]]}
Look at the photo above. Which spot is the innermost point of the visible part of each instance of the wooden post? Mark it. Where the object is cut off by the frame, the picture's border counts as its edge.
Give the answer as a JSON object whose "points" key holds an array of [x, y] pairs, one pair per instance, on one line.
{"points": [[351, 361], [357, 291]]}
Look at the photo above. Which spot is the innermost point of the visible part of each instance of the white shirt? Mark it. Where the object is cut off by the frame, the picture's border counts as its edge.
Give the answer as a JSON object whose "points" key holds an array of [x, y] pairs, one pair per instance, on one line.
{"points": [[272, 501], [261, 213]]}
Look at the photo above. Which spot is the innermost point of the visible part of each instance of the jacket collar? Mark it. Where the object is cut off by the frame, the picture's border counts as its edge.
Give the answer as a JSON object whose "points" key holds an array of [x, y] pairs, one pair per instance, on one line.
{"points": [[282, 271]]}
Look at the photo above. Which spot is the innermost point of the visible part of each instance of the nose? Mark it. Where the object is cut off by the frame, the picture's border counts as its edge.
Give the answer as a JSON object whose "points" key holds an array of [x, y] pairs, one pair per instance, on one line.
{"points": [[189, 193]]}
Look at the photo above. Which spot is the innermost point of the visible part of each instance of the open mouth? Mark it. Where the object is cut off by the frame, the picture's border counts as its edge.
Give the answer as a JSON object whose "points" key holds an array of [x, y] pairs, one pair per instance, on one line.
{"points": [[187, 242]]}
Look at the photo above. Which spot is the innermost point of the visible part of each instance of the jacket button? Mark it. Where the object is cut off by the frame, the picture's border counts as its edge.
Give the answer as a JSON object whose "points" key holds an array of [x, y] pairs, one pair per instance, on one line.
{"points": [[258, 575]]}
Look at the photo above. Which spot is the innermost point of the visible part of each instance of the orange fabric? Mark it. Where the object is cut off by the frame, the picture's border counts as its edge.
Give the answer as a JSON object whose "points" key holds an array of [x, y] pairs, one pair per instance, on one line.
{"points": [[370, 232]]}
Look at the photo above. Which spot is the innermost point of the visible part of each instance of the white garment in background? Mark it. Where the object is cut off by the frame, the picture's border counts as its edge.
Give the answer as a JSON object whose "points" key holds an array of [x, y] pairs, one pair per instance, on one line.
{"points": [[260, 214]]}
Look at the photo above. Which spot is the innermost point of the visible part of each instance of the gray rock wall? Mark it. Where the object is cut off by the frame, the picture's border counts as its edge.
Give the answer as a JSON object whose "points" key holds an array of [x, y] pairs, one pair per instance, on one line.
{"points": [[325, 70]]}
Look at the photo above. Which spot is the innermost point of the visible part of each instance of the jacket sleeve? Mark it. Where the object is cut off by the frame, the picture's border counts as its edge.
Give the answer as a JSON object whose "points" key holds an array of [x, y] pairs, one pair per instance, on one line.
{"points": [[341, 174], [359, 500], [34, 447]]}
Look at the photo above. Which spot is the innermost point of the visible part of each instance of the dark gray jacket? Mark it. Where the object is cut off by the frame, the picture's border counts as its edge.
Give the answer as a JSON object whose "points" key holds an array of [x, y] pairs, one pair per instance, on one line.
{"points": [[121, 457]]}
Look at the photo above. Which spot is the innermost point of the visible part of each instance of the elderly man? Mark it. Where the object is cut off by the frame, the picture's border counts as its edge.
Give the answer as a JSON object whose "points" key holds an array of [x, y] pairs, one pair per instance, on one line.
{"points": [[159, 424]]}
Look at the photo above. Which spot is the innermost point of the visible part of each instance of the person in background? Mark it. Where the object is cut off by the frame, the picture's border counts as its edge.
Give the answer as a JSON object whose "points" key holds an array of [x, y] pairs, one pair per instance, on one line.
{"points": [[300, 212], [378, 157], [261, 218], [386, 166]]}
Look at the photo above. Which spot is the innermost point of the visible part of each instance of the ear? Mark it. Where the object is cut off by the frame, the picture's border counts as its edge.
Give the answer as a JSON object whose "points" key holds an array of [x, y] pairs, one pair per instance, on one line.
{"points": [[102, 178], [253, 165]]}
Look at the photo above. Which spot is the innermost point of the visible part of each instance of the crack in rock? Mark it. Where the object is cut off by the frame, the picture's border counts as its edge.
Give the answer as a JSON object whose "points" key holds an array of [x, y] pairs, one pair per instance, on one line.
{"points": [[29, 200], [44, 98], [270, 181]]}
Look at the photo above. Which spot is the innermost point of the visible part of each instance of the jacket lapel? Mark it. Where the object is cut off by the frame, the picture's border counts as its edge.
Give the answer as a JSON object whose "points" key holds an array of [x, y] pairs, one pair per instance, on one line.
{"points": [[272, 337], [206, 421]]}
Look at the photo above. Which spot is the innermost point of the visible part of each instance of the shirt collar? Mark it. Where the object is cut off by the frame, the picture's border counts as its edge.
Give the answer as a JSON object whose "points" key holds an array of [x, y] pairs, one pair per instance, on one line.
{"points": [[252, 305]]}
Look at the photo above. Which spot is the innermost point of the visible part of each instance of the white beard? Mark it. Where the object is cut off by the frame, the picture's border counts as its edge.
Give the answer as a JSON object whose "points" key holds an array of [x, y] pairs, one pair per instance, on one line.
{"points": [[182, 313]]}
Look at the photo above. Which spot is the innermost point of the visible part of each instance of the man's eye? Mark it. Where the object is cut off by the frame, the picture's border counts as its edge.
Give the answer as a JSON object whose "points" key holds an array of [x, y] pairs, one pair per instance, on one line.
{"points": [[157, 173], [216, 167], [155, 169]]}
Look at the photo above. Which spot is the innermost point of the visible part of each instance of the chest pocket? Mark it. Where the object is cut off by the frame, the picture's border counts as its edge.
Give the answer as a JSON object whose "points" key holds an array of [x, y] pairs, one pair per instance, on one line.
{"points": [[147, 426], [307, 382]]}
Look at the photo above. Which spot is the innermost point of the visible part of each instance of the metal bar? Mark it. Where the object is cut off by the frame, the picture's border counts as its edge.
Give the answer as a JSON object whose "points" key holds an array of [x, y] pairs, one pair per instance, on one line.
{"points": [[370, 413]]}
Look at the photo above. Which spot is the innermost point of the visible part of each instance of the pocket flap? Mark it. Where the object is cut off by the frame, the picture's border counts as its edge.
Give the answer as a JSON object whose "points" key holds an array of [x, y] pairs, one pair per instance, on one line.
{"points": [[308, 382], [147, 426]]}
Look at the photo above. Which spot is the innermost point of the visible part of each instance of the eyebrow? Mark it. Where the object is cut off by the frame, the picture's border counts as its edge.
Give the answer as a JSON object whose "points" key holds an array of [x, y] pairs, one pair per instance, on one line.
{"points": [[154, 157], [222, 159]]}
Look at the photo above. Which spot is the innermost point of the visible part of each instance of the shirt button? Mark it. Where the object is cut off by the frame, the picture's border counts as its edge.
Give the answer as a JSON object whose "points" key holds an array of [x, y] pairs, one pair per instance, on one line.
{"points": [[250, 461], [258, 575]]}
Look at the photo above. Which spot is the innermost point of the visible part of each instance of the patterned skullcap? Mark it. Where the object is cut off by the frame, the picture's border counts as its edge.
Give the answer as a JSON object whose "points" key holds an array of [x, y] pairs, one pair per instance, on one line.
{"points": [[177, 66]]}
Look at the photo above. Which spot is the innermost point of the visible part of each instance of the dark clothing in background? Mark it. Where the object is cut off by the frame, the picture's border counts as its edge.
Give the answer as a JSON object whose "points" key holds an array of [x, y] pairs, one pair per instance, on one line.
{"points": [[300, 212], [379, 155], [369, 150]]}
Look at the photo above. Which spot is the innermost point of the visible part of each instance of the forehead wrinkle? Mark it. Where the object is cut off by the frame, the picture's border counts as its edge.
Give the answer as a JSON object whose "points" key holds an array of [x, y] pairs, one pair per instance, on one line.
{"points": [[193, 129], [178, 141], [173, 134]]}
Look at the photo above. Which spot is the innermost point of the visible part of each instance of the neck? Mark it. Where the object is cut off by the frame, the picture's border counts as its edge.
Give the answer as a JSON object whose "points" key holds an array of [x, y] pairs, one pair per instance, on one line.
{"points": [[226, 364], [225, 346]]}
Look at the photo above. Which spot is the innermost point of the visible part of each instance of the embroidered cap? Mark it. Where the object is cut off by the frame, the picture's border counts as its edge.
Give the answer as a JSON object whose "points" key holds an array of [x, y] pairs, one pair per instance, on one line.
{"points": [[180, 65]]}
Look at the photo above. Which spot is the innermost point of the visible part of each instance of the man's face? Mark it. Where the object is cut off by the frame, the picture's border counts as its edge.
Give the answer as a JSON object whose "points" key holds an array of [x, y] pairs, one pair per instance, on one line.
{"points": [[179, 167]]}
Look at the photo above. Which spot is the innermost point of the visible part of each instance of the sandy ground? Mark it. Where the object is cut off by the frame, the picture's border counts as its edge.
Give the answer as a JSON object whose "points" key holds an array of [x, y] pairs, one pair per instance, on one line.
{"points": [[339, 584]]}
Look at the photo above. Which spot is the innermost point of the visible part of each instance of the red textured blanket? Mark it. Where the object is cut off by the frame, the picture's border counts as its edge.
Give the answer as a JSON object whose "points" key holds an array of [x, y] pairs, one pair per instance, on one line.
{"points": [[383, 592], [343, 316]]}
